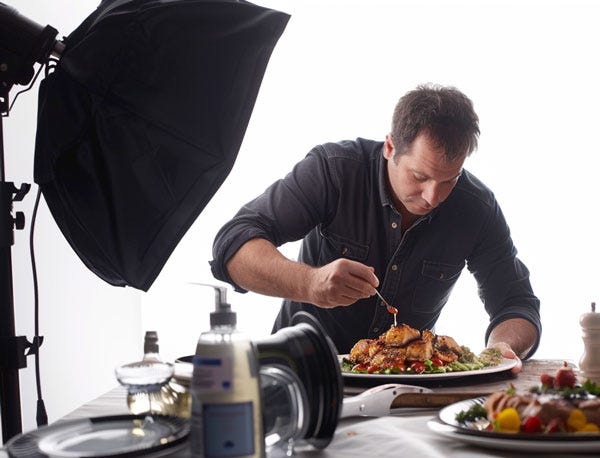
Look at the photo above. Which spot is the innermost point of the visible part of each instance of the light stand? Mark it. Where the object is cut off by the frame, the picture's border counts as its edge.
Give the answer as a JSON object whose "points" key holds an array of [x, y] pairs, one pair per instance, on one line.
{"points": [[12, 348], [22, 43]]}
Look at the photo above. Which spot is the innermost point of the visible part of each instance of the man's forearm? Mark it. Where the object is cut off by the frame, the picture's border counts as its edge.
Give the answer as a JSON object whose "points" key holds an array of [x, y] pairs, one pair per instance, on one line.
{"points": [[519, 333], [258, 266]]}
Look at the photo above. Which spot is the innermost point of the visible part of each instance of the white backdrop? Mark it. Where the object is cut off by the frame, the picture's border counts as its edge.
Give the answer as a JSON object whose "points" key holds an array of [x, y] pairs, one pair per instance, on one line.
{"points": [[531, 69]]}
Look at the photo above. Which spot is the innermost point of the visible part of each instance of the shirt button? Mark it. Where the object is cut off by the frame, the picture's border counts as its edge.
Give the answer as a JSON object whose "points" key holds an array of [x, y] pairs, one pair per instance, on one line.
{"points": [[375, 330], [441, 276], [344, 250], [394, 267], [394, 225]]}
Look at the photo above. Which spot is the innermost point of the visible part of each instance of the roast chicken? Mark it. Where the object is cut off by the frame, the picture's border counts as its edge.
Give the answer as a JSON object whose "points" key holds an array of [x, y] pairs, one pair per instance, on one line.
{"points": [[402, 345]]}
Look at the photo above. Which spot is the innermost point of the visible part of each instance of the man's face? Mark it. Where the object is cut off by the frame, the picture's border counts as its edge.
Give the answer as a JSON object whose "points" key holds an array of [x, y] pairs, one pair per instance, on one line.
{"points": [[421, 178]]}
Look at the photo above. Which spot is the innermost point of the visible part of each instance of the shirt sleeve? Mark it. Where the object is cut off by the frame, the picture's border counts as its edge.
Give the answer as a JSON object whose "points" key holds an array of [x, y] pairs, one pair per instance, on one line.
{"points": [[285, 212], [503, 280]]}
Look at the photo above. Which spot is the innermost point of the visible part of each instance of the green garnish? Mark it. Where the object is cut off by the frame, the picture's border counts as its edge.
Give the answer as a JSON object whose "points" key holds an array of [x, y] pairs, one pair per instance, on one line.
{"points": [[471, 414], [591, 387]]}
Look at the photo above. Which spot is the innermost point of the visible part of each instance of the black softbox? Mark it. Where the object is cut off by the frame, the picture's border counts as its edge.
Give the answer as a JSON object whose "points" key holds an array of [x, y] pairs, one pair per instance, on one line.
{"points": [[141, 122]]}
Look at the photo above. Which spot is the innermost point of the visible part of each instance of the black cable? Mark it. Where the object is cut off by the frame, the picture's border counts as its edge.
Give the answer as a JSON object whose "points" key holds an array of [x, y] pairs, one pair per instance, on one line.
{"points": [[26, 89], [41, 415]]}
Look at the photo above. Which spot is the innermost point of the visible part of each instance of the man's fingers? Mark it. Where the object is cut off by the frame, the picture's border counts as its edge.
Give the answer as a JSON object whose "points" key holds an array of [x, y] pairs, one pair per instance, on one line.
{"points": [[364, 273], [508, 352], [343, 282], [518, 367]]}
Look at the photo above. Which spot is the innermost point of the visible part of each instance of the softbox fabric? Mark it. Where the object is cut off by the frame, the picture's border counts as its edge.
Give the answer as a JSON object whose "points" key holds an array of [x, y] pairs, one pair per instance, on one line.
{"points": [[141, 122]]}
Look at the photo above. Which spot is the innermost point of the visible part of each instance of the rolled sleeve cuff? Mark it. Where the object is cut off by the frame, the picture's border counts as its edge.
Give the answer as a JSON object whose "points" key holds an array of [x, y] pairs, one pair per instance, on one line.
{"points": [[224, 249], [529, 315]]}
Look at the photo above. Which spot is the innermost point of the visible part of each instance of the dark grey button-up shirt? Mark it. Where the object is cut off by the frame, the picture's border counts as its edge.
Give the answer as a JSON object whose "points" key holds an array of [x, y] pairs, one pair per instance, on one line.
{"points": [[337, 200]]}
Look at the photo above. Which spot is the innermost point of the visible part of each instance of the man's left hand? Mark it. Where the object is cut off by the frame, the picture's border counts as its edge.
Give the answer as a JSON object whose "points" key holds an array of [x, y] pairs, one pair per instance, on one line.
{"points": [[508, 352]]}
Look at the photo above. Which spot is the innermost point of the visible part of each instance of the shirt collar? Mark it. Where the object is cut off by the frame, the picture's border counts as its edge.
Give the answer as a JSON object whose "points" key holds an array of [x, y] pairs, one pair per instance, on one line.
{"points": [[384, 194]]}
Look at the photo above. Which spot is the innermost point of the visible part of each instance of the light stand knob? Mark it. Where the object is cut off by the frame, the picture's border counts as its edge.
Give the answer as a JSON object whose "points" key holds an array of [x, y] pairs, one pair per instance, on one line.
{"points": [[19, 220]]}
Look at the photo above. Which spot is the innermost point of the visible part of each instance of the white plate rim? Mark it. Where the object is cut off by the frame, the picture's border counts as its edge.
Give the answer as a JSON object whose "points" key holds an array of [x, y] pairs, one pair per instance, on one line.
{"points": [[505, 365], [42, 442], [451, 430]]}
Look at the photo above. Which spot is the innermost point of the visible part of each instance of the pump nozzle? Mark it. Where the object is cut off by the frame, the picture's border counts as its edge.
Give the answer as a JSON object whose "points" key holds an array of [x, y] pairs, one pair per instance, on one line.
{"points": [[220, 296], [223, 315]]}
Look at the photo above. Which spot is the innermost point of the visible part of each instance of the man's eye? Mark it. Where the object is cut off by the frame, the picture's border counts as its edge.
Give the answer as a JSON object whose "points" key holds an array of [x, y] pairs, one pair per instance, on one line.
{"points": [[420, 178]]}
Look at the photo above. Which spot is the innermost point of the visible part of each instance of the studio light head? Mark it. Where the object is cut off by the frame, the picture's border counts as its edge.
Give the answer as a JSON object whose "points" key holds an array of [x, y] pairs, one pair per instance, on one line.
{"points": [[23, 42]]}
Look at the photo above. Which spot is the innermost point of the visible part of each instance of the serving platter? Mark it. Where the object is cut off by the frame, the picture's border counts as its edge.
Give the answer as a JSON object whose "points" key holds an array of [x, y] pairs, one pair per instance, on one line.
{"points": [[447, 426], [505, 365]]}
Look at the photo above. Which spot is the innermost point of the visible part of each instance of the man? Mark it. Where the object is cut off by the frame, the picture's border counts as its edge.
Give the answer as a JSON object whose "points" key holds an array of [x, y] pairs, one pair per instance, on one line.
{"points": [[402, 216]]}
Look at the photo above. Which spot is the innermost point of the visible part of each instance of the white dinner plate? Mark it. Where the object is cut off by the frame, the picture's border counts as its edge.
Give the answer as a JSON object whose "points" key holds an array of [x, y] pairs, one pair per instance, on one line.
{"points": [[447, 426], [113, 436], [505, 365]]}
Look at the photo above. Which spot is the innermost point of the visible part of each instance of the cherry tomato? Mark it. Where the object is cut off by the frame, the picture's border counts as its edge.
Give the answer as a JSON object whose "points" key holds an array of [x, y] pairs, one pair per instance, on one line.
{"points": [[418, 367], [360, 368], [437, 361], [555, 425], [547, 380], [532, 425], [400, 367], [565, 377]]}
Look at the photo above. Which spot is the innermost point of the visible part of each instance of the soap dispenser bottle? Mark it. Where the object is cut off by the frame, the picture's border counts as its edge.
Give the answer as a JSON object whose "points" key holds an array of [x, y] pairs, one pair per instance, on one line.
{"points": [[226, 418]]}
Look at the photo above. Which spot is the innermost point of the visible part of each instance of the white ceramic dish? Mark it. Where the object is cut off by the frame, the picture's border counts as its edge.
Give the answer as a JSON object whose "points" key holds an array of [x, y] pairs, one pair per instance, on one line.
{"points": [[447, 426], [505, 365]]}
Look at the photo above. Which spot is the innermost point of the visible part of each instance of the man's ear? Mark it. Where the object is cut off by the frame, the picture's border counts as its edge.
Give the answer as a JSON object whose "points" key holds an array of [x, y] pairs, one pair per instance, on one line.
{"points": [[388, 147]]}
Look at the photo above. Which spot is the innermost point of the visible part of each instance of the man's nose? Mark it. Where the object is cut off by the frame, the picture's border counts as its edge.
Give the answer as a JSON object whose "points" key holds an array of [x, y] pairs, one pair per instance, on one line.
{"points": [[432, 194]]}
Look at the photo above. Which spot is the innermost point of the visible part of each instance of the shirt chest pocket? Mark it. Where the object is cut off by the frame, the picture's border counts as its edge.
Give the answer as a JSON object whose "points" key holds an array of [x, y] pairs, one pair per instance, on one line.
{"points": [[433, 286], [334, 246]]}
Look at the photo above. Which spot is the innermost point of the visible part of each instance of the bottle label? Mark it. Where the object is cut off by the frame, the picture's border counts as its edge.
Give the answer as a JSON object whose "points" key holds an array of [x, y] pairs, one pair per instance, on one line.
{"points": [[212, 375], [228, 429]]}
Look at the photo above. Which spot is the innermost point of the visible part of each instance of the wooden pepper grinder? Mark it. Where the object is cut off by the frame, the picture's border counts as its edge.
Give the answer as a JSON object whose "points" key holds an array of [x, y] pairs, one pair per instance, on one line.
{"points": [[589, 364]]}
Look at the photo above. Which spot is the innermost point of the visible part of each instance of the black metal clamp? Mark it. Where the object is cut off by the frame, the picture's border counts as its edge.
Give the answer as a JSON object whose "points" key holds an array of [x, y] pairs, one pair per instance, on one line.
{"points": [[15, 351]]}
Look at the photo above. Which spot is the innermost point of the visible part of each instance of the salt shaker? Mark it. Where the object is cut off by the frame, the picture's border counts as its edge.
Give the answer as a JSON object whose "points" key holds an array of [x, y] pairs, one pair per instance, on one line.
{"points": [[589, 364]]}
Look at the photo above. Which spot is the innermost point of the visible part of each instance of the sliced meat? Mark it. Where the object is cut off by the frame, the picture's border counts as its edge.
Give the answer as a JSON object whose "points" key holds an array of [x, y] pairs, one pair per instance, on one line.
{"points": [[445, 356], [376, 347], [419, 350], [389, 357], [399, 336], [445, 344], [546, 408], [427, 335], [359, 354], [555, 408]]}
